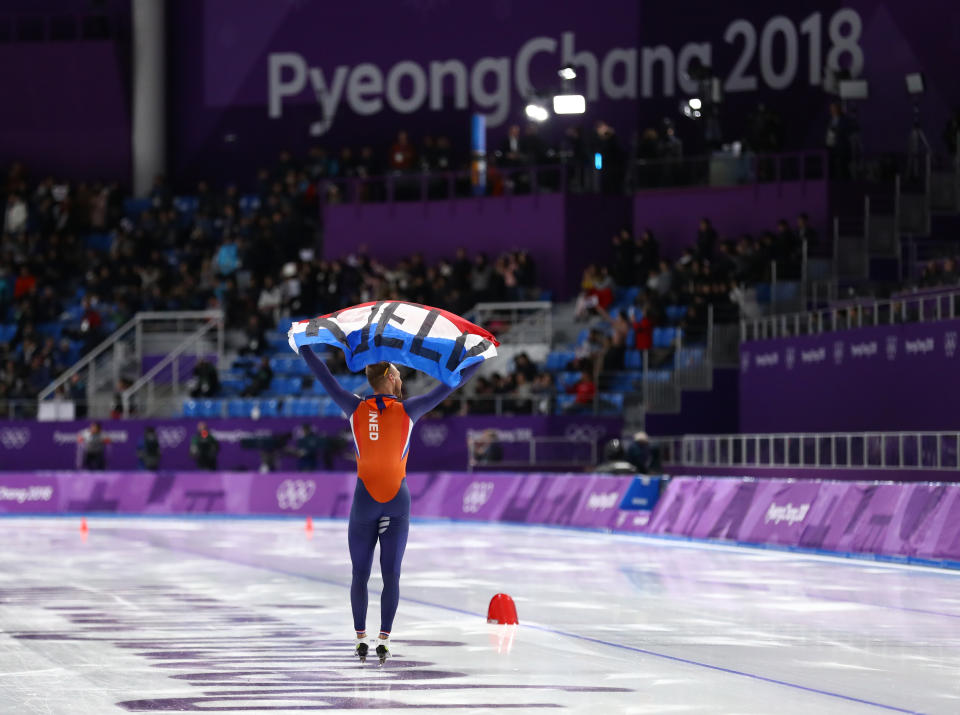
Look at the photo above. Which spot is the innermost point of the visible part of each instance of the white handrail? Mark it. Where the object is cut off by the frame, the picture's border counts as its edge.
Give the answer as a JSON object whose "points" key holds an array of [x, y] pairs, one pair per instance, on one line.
{"points": [[215, 322]]}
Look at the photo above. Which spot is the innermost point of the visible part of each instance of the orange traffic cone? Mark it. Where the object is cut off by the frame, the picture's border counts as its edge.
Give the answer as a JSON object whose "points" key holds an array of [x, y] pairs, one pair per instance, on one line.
{"points": [[309, 526], [84, 529], [502, 610]]}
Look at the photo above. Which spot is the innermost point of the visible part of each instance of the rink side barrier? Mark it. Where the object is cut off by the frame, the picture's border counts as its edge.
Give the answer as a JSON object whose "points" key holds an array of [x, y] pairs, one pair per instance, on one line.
{"points": [[621, 503], [891, 521]]}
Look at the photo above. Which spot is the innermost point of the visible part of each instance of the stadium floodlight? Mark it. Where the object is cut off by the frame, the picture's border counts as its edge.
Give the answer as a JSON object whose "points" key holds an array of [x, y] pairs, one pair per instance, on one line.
{"points": [[537, 112], [853, 89], [568, 73], [694, 103], [915, 83], [569, 104]]}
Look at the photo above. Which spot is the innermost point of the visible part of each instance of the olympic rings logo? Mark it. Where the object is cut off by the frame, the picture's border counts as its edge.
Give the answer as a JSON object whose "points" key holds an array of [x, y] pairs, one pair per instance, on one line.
{"points": [[14, 437], [294, 493]]}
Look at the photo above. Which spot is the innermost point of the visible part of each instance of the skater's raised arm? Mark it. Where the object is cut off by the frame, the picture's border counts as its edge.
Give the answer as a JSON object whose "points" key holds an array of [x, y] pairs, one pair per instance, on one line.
{"points": [[345, 399], [420, 405]]}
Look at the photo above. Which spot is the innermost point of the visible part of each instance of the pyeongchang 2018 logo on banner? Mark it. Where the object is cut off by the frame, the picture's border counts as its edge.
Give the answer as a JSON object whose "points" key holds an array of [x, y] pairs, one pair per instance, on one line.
{"points": [[892, 347], [838, 352], [14, 437], [477, 494], [294, 493], [791, 357]]}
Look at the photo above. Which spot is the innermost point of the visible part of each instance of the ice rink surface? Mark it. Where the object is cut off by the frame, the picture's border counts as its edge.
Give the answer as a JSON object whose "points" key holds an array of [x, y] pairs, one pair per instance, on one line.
{"points": [[240, 615]]}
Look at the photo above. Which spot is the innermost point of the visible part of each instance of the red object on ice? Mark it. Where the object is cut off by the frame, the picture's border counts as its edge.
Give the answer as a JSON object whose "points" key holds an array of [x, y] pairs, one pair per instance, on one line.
{"points": [[83, 525], [502, 610], [309, 526]]}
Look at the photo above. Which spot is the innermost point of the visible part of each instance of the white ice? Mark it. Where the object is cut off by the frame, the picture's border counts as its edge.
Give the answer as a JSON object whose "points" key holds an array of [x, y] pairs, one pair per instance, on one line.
{"points": [[243, 615]]}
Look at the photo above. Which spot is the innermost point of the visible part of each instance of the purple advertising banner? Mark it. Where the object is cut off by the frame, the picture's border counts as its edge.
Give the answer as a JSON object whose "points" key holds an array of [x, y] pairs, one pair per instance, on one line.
{"points": [[436, 444], [249, 78], [582, 500], [895, 377], [916, 520], [66, 112]]}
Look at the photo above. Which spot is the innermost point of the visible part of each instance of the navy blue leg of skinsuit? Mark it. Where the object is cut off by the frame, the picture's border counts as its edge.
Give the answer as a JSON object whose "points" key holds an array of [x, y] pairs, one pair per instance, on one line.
{"points": [[389, 523]]}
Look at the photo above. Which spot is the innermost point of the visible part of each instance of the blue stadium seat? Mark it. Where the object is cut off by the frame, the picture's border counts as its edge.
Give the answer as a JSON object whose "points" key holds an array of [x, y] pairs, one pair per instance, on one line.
{"points": [[232, 385], [633, 360], [211, 408], [50, 330], [565, 402], [676, 313], [659, 376], [626, 296], [249, 203], [269, 407], [7, 332], [610, 402], [330, 409], [558, 360], [186, 204], [278, 343], [284, 365], [664, 337], [566, 378], [191, 408], [134, 207], [239, 408], [99, 241]]}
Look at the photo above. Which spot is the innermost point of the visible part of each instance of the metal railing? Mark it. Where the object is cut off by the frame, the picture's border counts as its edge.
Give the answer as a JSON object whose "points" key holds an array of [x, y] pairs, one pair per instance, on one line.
{"points": [[516, 323], [152, 383], [443, 185], [728, 170], [121, 355], [930, 450], [921, 307], [492, 453]]}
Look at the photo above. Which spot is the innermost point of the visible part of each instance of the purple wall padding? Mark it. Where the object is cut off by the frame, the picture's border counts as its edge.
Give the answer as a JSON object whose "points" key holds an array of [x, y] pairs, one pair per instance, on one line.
{"points": [[674, 214], [915, 520], [899, 377], [568, 500], [563, 233], [436, 444], [713, 411], [67, 110]]}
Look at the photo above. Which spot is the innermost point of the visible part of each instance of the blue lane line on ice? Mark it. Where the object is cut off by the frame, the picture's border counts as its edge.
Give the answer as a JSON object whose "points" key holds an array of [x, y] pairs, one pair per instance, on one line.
{"points": [[730, 671]]}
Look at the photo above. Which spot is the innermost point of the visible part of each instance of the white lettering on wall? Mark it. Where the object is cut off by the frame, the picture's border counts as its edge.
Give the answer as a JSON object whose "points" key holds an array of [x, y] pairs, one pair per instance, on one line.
{"points": [[779, 54]]}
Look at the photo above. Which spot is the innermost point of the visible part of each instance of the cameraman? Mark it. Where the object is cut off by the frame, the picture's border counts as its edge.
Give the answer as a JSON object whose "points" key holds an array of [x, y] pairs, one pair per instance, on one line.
{"points": [[148, 450], [204, 448]]}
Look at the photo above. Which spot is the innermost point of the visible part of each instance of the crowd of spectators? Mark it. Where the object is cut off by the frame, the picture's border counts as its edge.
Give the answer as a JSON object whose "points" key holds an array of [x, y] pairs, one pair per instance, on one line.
{"points": [[713, 272], [251, 255]]}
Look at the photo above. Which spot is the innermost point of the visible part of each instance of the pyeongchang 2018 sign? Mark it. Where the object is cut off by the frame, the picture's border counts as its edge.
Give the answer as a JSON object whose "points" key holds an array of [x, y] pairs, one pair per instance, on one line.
{"points": [[769, 55]]}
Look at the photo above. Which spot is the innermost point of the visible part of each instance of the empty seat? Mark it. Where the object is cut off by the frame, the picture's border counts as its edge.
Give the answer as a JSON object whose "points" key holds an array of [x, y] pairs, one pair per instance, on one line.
{"points": [[676, 313], [559, 359], [664, 337], [239, 408], [191, 408], [269, 407], [633, 360], [211, 408]]}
